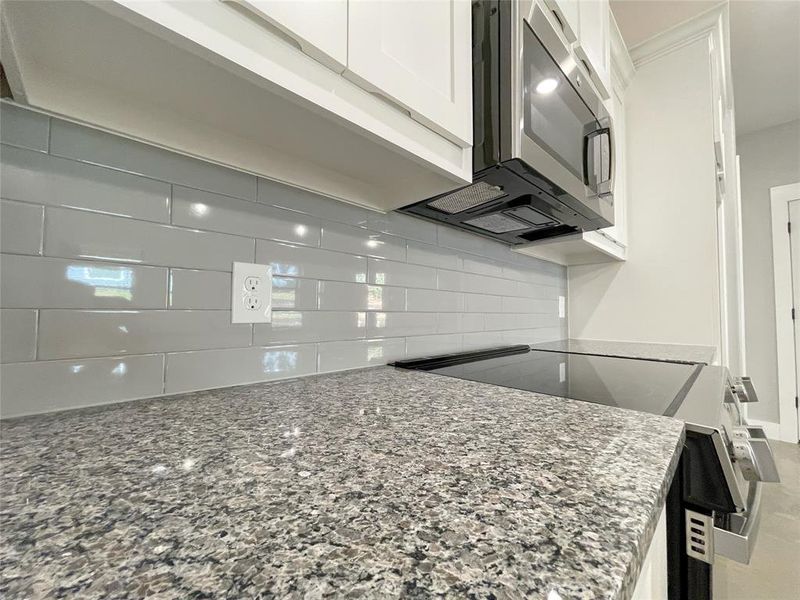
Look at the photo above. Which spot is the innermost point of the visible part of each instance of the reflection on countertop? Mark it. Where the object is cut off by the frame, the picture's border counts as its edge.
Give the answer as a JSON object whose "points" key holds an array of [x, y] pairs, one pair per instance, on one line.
{"points": [[377, 482], [666, 352]]}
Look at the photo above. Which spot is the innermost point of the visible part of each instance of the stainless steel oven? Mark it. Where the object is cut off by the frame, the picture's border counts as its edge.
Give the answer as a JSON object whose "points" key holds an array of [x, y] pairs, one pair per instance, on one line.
{"points": [[543, 153]]}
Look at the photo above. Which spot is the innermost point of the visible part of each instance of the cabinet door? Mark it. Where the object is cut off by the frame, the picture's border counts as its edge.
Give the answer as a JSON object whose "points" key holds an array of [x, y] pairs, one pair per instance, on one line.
{"points": [[618, 232], [593, 46], [319, 27], [567, 13], [417, 55]]}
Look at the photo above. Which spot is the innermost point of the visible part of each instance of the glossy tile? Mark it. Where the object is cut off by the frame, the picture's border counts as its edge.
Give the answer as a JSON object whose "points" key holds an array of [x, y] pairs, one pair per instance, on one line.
{"points": [[433, 256], [17, 335], [204, 210], [44, 282], [25, 128], [53, 181], [484, 339], [357, 240], [337, 356], [314, 263], [187, 371], [295, 294], [21, 227], [495, 322], [78, 333], [530, 305], [74, 141], [483, 284], [434, 300], [473, 322], [383, 324], [384, 272], [195, 289], [35, 387], [290, 326], [72, 233], [520, 336], [402, 226], [284, 196], [482, 266], [448, 323], [338, 295], [482, 303], [431, 345], [450, 280]]}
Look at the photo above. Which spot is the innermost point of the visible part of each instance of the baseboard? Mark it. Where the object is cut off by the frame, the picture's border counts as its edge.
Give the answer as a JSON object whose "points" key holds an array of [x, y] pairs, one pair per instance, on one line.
{"points": [[773, 430]]}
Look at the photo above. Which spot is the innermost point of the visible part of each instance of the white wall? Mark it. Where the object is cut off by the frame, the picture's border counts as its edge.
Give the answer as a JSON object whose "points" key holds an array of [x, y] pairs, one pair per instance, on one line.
{"points": [[668, 289], [769, 158]]}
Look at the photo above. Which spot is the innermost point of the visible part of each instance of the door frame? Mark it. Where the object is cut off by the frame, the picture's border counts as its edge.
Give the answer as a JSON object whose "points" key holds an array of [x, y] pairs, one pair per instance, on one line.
{"points": [[780, 196]]}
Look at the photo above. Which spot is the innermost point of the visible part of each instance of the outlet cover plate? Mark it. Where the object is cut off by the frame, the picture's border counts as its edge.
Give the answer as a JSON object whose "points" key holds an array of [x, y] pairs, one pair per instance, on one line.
{"points": [[251, 293]]}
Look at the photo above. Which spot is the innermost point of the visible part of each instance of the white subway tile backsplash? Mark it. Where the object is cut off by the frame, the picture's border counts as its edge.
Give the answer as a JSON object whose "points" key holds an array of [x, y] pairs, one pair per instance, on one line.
{"points": [[284, 196], [431, 345], [298, 261], [17, 335], [204, 210], [79, 333], [290, 326], [77, 234], [24, 128], [433, 256], [21, 227], [337, 356], [337, 295], [52, 181], [384, 272], [357, 240], [383, 324], [44, 282], [189, 371], [419, 300], [35, 387], [77, 142], [112, 247]]}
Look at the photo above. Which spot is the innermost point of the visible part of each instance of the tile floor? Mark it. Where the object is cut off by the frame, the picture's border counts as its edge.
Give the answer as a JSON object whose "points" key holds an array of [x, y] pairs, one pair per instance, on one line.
{"points": [[774, 571]]}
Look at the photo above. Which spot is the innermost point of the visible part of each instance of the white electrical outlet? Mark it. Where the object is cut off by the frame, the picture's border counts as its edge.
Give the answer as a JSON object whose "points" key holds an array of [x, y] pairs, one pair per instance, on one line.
{"points": [[251, 293]]}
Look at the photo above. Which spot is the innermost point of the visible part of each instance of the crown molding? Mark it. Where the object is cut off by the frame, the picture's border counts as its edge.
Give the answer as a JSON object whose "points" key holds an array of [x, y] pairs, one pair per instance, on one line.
{"points": [[700, 27]]}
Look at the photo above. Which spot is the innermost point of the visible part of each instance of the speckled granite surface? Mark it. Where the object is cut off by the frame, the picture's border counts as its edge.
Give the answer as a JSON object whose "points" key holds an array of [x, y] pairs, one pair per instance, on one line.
{"points": [[670, 352], [373, 483]]}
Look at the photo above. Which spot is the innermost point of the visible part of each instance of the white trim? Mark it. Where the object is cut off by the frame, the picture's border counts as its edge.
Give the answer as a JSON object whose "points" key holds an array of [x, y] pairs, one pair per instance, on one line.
{"points": [[740, 269], [771, 429], [780, 197], [621, 62]]}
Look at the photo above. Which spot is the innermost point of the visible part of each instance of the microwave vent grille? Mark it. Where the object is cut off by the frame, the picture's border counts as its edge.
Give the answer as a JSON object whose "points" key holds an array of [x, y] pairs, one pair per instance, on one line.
{"points": [[466, 198]]}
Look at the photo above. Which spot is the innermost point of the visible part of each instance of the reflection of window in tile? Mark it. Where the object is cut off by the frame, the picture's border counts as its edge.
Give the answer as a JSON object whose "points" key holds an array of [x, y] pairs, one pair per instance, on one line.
{"points": [[380, 320], [380, 278], [374, 352], [361, 319], [108, 282], [120, 369], [374, 297], [284, 292], [283, 269], [279, 361], [287, 318]]}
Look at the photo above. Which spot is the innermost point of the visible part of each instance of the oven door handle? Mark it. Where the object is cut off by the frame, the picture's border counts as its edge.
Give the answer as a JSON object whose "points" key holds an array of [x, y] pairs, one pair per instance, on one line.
{"points": [[737, 543]]}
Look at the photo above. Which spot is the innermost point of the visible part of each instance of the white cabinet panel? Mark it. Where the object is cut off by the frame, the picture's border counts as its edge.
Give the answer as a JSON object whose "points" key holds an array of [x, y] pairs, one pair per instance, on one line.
{"points": [[318, 26], [567, 13], [593, 42], [418, 55]]}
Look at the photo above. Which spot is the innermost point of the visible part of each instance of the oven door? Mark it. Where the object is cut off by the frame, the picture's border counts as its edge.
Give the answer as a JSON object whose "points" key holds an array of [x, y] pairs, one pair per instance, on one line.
{"points": [[565, 132]]}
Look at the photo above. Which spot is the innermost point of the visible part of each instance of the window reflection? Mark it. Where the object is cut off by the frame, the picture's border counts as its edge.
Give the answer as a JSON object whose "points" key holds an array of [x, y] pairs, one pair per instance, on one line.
{"points": [[108, 282], [374, 352], [374, 298], [284, 292], [380, 320], [380, 278], [279, 361], [287, 318], [285, 269]]}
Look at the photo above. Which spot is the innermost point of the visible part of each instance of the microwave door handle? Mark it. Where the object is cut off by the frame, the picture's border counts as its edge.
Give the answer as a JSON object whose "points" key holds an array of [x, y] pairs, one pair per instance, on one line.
{"points": [[591, 162]]}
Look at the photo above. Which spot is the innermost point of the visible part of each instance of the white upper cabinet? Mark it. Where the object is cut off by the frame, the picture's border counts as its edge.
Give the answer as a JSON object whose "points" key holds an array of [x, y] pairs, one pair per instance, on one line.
{"points": [[418, 56], [319, 27], [567, 15], [593, 43]]}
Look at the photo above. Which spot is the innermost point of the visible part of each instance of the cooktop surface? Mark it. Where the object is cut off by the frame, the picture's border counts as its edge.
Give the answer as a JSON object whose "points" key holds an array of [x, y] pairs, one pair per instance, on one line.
{"points": [[656, 387]]}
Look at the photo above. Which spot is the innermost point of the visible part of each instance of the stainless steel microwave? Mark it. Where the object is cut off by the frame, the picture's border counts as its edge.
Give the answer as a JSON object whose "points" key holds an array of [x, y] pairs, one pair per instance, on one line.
{"points": [[543, 153]]}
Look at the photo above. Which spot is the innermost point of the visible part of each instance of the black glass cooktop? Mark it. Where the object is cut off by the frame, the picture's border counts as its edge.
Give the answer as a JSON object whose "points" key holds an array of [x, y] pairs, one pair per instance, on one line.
{"points": [[646, 385]]}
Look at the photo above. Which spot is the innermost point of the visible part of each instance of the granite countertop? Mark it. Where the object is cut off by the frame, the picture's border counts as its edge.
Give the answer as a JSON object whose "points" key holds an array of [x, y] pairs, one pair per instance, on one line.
{"points": [[666, 352], [371, 483]]}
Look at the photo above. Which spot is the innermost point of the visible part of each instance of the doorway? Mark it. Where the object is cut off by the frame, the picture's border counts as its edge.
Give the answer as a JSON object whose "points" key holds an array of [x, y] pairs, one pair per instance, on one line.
{"points": [[785, 201]]}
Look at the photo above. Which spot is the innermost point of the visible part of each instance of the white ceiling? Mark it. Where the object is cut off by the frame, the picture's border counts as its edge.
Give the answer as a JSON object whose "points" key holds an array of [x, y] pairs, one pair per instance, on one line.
{"points": [[765, 50]]}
